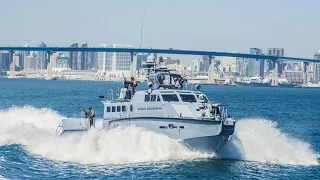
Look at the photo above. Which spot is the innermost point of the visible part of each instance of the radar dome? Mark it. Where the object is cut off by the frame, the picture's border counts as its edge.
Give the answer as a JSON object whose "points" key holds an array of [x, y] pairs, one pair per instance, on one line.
{"points": [[150, 58]]}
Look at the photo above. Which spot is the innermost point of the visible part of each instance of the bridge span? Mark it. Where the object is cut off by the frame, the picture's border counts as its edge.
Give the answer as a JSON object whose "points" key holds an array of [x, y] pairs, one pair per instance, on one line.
{"points": [[133, 51]]}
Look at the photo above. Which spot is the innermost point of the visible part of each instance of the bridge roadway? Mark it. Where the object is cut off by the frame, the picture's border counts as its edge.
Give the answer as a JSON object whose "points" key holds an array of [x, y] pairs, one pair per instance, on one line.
{"points": [[160, 51], [133, 51]]}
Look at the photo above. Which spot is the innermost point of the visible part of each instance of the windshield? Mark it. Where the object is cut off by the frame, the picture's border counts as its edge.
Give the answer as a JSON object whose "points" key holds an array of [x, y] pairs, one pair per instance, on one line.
{"points": [[188, 98], [169, 97]]}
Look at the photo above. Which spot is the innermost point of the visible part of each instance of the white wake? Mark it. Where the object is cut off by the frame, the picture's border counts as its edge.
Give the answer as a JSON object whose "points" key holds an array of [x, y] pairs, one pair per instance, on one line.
{"points": [[254, 140], [260, 140], [35, 129]]}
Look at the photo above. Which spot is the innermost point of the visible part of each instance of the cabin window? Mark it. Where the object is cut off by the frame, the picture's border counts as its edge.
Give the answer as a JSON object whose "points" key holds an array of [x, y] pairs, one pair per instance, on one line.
{"points": [[124, 109], [188, 98], [153, 98], [170, 97], [147, 98], [158, 98], [118, 108], [113, 109], [108, 109]]}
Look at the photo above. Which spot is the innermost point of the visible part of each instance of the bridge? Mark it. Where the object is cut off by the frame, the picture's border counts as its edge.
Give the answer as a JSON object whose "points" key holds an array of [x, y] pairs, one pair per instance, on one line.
{"points": [[133, 51]]}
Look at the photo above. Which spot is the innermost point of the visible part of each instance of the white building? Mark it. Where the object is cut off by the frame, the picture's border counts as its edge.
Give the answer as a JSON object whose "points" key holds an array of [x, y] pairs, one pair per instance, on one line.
{"points": [[30, 62], [227, 61], [197, 65], [114, 61]]}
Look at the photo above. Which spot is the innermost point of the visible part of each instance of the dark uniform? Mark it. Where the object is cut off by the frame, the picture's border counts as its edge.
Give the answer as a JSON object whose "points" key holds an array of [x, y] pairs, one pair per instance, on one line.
{"points": [[90, 114]]}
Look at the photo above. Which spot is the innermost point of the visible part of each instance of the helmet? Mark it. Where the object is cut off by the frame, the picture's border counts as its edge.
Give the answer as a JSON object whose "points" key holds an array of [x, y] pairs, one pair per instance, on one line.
{"points": [[132, 77], [90, 107]]}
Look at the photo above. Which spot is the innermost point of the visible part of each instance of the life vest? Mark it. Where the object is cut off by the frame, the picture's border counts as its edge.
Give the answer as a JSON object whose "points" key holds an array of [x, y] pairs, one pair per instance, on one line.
{"points": [[91, 113]]}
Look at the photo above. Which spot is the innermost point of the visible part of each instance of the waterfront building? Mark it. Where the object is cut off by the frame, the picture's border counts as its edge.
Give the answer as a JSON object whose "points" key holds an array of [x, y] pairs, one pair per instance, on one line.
{"points": [[4, 61], [23, 54], [242, 66], [16, 60], [92, 60], [42, 61], [84, 57], [197, 65], [114, 61], [275, 52], [255, 66], [206, 62], [141, 57], [73, 57], [317, 67], [30, 62]]}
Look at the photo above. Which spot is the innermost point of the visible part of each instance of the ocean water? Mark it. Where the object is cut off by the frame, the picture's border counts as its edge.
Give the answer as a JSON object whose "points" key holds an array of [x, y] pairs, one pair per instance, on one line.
{"points": [[277, 136]]}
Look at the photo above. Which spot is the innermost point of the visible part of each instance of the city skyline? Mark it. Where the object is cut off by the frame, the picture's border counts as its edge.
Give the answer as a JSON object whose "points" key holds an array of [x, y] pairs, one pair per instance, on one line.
{"points": [[230, 28]]}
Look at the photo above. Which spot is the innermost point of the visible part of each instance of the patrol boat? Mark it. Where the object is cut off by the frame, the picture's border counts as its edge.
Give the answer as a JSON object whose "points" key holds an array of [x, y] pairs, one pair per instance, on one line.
{"points": [[164, 107]]}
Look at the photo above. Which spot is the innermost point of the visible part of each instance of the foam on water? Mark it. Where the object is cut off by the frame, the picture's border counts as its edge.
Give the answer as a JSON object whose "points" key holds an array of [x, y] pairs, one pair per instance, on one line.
{"points": [[260, 140], [35, 129], [254, 140]]}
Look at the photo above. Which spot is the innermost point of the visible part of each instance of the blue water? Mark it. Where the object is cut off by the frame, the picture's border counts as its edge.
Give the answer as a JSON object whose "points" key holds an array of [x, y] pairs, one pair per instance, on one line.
{"points": [[277, 131]]}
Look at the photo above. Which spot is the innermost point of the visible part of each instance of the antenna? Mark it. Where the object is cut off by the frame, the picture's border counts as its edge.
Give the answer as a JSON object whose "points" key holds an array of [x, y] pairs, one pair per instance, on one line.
{"points": [[144, 13]]}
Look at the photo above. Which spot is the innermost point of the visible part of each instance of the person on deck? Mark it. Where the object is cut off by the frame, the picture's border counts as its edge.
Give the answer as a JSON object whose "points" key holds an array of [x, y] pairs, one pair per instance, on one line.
{"points": [[90, 115], [133, 85]]}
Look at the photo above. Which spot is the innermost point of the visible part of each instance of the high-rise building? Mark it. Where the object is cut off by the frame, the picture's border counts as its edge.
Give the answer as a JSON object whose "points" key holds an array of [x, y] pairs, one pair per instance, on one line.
{"points": [[242, 66], [255, 66], [73, 57], [141, 57], [5, 60], [30, 62], [206, 62], [93, 60], [275, 52], [42, 60], [16, 60], [317, 67], [114, 61], [84, 57], [197, 65], [23, 54]]}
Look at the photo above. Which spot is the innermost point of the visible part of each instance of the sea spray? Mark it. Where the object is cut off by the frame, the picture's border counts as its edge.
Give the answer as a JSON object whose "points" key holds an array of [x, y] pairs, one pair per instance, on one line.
{"points": [[32, 129], [260, 140], [254, 140]]}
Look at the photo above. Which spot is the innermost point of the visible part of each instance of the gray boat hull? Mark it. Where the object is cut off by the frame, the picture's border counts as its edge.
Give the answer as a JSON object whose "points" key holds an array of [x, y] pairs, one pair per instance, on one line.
{"points": [[199, 135], [205, 144]]}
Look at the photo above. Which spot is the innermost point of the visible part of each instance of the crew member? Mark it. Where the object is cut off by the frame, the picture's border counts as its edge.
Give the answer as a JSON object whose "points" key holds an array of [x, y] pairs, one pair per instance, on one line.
{"points": [[125, 83], [90, 115], [133, 85]]}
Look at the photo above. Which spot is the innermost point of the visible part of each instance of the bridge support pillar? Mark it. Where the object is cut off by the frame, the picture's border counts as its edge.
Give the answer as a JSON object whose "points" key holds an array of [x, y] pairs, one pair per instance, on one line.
{"points": [[133, 66], [274, 81], [305, 73], [210, 62], [12, 64], [49, 66]]}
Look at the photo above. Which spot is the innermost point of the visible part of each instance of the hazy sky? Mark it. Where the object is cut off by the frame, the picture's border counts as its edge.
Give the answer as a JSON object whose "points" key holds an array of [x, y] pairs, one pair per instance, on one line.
{"points": [[218, 25]]}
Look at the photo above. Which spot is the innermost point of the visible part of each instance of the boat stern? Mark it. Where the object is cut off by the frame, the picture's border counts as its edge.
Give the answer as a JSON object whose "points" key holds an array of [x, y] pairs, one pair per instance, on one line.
{"points": [[228, 127], [72, 125]]}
